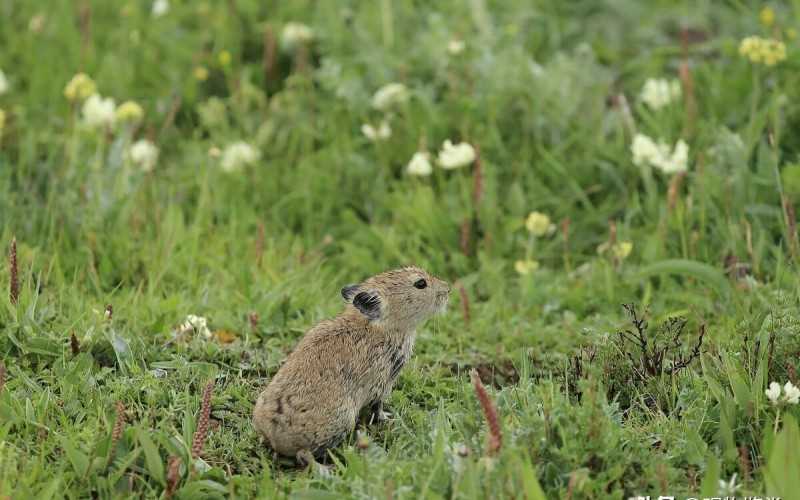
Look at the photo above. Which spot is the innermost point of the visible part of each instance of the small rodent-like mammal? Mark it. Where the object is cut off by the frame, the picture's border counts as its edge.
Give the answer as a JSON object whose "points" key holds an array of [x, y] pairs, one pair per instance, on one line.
{"points": [[347, 363]]}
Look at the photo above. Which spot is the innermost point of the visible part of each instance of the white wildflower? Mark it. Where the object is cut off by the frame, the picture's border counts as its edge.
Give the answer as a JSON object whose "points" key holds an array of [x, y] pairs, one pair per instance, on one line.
{"points": [[456, 155], [456, 46], [144, 154], [295, 34], [677, 161], [98, 111], [160, 7], [773, 393], [381, 132], [645, 151], [390, 95], [237, 155], [660, 92], [420, 164], [3, 83], [195, 324], [791, 394], [729, 488]]}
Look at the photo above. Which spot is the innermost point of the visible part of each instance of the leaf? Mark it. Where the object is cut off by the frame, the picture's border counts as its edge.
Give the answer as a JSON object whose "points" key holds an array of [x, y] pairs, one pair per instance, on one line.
{"points": [[202, 488], [530, 484], [710, 485], [726, 432], [781, 476], [691, 268], [152, 457], [43, 346], [122, 464], [741, 392], [79, 460], [121, 348], [50, 490], [168, 365]]}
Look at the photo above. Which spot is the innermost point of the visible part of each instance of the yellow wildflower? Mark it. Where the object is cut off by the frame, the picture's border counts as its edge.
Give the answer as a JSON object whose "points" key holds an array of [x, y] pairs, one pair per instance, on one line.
{"points": [[763, 50], [525, 267], [224, 58], [619, 250], [622, 249], [767, 16], [129, 111], [80, 87], [538, 224], [200, 73]]}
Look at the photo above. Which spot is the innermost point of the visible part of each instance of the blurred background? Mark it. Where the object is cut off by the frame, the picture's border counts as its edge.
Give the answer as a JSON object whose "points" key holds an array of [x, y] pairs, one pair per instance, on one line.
{"points": [[240, 161]]}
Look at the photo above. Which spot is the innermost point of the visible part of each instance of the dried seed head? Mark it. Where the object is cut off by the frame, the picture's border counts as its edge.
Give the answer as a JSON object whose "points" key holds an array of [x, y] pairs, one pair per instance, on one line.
{"points": [[466, 236], [489, 413], [116, 433], [74, 345], [173, 476], [253, 319], [744, 463], [13, 287], [200, 435], [477, 174]]}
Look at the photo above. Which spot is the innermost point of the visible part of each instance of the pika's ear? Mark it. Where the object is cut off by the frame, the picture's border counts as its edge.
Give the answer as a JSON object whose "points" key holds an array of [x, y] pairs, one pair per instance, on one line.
{"points": [[369, 303], [349, 291]]}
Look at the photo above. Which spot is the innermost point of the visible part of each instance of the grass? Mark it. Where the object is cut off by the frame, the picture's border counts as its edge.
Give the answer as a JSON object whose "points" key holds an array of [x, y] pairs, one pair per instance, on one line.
{"points": [[109, 404]]}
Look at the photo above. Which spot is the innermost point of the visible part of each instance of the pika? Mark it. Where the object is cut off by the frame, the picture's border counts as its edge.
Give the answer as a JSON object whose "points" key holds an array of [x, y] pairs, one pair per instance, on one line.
{"points": [[346, 364]]}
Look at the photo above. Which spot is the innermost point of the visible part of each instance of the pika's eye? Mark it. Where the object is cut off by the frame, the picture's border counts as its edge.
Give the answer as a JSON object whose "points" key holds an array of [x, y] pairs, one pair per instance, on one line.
{"points": [[420, 284]]}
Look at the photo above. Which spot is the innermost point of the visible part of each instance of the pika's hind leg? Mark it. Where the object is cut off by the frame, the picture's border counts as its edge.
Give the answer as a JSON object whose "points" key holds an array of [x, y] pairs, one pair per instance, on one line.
{"points": [[306, 459], [376, 413], [329, 433]]}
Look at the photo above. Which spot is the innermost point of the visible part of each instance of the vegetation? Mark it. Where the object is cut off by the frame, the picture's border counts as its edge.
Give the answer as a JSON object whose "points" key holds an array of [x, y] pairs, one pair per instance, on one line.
{"points": [[185, 187]]}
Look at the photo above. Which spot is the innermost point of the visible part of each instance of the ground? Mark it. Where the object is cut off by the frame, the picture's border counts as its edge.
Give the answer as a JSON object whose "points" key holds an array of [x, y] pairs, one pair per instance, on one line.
{"points": [[605, 153]]}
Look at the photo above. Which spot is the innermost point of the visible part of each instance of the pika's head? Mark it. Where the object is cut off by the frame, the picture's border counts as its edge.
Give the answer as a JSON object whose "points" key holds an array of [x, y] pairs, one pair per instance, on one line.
{"points": [[405, 296]]}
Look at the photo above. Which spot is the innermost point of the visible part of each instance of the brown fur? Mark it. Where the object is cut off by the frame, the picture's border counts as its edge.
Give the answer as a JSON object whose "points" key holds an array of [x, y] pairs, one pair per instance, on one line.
{"points": [[347, 363]]}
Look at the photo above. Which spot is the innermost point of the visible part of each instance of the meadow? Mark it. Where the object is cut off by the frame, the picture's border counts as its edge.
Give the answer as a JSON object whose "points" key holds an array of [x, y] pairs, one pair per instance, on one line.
{"points": [[610, 187]]}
